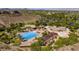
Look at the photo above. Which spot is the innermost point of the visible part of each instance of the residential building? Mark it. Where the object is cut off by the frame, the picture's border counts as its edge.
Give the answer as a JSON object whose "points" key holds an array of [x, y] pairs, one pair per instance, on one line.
{"points": [[50, 38]]}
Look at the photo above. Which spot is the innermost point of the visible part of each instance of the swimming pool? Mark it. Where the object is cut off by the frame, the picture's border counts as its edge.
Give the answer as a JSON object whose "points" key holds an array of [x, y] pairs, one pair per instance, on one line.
{"points": [[28, 35]]}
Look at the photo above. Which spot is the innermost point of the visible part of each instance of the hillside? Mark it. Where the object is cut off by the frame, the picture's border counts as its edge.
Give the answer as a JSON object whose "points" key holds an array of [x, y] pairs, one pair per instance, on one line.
{"points": [[8, 17]]}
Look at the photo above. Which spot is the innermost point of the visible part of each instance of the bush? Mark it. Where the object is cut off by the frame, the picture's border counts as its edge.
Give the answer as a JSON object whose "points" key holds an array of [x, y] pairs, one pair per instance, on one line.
{"points": [[45, 48], [35, 46], [17, 42], [60, 43], [73, 38]]}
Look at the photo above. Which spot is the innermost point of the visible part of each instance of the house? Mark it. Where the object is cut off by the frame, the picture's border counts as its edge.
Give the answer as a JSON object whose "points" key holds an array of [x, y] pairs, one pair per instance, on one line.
{"points": [[50, 38], [32, 26], [49, 13], [54, 28], [61, 31]]}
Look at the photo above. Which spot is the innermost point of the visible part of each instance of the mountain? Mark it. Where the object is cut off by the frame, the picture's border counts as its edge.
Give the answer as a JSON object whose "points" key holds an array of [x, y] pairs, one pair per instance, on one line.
{"points": [[8, 16], [24, 17], [65, 9]]}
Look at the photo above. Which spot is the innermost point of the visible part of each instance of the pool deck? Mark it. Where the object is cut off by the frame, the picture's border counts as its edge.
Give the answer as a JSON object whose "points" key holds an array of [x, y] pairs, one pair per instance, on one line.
{"points": [[28, 43]]}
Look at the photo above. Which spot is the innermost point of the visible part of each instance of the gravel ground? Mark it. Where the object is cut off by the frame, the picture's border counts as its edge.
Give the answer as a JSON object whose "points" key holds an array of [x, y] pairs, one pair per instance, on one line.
{"points": [[74, 47]]}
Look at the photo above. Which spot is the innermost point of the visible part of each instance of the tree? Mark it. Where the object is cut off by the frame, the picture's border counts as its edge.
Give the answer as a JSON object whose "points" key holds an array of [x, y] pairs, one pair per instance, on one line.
{"points": [[37, 23], [36, 46]]}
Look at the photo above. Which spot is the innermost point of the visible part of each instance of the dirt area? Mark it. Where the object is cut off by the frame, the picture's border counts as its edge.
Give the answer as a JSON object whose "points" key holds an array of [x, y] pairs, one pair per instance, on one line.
{"points": [[74, 47], [5, 47], [6, 20]]}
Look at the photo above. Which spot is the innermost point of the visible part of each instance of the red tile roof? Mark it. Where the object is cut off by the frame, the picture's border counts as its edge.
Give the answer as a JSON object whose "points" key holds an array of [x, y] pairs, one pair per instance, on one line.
{"points": [[50, 35]]}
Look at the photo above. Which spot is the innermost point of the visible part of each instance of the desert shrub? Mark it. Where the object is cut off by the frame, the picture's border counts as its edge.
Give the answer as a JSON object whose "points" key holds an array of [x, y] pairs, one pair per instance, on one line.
{"points": [[73, 38], [45, 48]]}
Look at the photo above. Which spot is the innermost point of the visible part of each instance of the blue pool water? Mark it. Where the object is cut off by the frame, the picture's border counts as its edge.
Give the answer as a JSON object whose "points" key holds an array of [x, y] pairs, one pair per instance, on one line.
{"points": [[28, 35]]}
